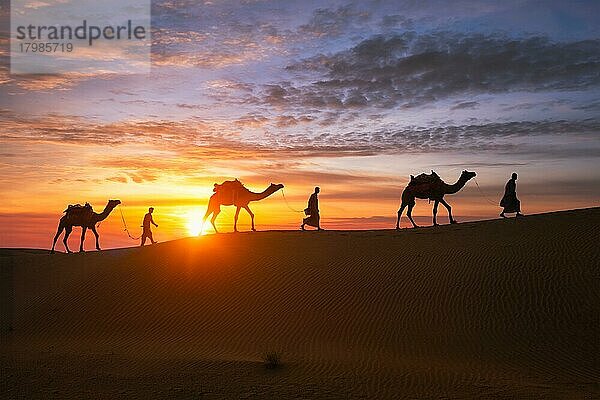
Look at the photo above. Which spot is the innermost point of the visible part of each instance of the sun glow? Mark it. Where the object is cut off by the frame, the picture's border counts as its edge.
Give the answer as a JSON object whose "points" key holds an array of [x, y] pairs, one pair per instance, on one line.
{"points": [[194, 223]]}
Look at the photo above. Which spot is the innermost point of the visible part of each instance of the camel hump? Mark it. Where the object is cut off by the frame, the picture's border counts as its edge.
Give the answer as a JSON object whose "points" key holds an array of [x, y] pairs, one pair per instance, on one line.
{"points": [[425, 178], [228, 186], [228, 190], [78, 208]]}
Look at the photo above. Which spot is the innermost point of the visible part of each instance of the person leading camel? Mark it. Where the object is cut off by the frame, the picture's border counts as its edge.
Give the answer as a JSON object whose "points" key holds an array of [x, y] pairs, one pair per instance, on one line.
{"points": [[147, 232], [510, 202], [312, 211]]}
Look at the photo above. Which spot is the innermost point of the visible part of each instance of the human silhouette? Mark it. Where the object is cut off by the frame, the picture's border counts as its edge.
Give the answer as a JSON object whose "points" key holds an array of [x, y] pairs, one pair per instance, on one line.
{"points": [[312, 211], [147, 232], [510, 202]]}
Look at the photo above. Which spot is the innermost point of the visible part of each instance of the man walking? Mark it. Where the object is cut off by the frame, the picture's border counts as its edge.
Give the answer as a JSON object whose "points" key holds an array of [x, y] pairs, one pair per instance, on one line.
{"points": [[312, 211], [147, 232], [510, 202]]}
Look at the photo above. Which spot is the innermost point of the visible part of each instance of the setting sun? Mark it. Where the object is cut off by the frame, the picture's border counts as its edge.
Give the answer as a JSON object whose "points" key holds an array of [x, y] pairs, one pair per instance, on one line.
{"points": [[194, 223]]}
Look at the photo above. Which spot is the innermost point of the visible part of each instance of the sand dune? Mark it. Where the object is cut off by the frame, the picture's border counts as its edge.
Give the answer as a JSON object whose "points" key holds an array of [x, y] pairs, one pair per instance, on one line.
{"points": [[492, 309]]}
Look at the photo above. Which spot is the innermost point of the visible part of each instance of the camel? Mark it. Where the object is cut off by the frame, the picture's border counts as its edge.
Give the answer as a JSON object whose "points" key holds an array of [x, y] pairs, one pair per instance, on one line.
{"points": [[430, 187], [234, 193], [84, 217]]}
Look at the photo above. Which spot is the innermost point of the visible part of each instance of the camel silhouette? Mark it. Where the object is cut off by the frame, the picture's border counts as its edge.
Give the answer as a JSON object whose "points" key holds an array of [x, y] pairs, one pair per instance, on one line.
{"points": [[430, 187], [234, 193], [84, 217]]}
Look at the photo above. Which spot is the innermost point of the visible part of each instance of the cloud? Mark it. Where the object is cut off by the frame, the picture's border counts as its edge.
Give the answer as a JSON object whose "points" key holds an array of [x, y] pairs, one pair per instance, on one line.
{"points": [[195, 139], [48, 82], [193, 35], [51, 83], [251, 121], [302, 174], [118, 179], [333, 22], [143, 176], [397, 21], [289, 120], [412, 70], [465, 105], [206, 58], [76, 130], [478, 164], [593, 105]]}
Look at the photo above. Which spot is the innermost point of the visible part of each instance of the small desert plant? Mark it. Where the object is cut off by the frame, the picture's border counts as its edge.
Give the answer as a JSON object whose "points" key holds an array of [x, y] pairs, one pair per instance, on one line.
{"points": [[272, 360]]}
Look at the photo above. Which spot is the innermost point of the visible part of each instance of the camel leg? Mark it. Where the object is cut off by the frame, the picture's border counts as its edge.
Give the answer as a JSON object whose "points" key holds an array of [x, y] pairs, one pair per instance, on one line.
{"points": [[83, 230], [208, 212], [212, 220], [251, 216], [235, 219], [452, 220], [409, 214], [61, 227], [400, 211], [93, 228], [68, 230], [435, 208], [203, 222]]}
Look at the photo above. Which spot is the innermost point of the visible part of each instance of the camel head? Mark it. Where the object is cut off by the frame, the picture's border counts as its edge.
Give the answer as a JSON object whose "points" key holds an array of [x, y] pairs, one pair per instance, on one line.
{"points": [[275, 186], [113, 203], [467, 175]]}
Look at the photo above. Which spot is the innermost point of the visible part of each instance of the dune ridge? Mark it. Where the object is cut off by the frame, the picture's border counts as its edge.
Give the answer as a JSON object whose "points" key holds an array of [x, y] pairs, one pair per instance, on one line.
{"points": [[492, 309]]}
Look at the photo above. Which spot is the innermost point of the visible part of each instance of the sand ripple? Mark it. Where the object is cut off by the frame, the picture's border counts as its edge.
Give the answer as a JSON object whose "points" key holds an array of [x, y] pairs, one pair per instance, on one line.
{"points": [[503, 309]]}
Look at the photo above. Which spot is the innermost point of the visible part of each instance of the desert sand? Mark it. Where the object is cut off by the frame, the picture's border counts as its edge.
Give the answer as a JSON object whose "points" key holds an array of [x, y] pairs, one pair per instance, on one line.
{"points": [[490, 309]]}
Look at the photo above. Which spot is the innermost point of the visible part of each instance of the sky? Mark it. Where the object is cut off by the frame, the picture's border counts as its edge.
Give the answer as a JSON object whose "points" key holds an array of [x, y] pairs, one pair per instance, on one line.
{"points": [[352, 97]]}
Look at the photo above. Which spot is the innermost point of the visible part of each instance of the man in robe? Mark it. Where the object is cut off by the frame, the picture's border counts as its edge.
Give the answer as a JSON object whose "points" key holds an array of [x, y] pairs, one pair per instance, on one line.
{"points": [[312, 211], [510, 202], [147, 232]]}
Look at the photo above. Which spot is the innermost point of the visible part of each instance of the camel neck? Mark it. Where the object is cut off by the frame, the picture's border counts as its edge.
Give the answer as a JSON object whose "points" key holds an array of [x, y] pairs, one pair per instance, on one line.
{"points": [[265, 193], [105, 213], [455, 187]]}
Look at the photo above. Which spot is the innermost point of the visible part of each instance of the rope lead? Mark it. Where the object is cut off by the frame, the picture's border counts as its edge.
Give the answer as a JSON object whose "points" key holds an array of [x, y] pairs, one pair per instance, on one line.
{"points": [[125, 225], [288, 204], [486, 198]]}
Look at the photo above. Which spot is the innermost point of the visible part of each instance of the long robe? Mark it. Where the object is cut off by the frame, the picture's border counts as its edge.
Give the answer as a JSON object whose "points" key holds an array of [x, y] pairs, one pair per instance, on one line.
{"points": [[146, 231], [312, 211], [510, 202]]}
